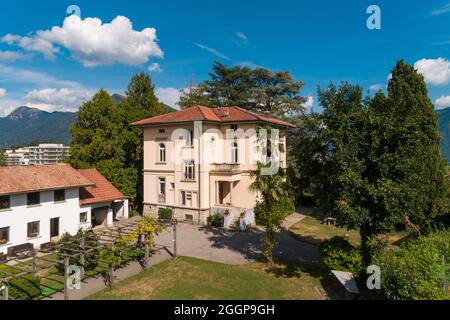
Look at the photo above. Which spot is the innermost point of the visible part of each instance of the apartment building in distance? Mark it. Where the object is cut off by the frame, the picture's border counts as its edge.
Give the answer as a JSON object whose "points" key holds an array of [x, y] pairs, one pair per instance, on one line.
{"points": [[193, 165], [42, 154]]}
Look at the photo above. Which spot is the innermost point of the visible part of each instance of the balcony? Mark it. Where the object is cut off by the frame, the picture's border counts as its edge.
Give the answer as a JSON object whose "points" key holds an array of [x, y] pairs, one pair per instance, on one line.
{"points": [[227, 168]]}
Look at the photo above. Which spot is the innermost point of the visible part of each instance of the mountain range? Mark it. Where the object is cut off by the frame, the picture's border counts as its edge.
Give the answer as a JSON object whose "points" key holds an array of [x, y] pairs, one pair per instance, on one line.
{"points": [[27, 125]]}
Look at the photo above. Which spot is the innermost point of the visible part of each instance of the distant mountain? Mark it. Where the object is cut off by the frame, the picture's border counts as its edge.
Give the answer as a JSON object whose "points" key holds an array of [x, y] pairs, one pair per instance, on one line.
{"points": [[26, 124], [444, 130]]}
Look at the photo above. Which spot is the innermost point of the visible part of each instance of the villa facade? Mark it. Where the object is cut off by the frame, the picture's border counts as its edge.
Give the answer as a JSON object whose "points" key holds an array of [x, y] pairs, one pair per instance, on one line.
{"points": [[198, 162]]}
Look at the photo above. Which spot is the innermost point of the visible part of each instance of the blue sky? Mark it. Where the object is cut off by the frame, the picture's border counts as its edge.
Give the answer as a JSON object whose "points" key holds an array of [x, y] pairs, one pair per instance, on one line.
{"points": [[317, 41]]}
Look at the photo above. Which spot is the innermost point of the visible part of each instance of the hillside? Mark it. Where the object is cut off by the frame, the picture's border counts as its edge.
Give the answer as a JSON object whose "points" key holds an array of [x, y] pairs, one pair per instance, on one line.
{"points": [[27, 124]]}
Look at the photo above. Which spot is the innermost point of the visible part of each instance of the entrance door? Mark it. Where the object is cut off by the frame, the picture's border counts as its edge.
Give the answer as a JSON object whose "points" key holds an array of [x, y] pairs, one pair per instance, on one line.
{"points": [[54, 228]]}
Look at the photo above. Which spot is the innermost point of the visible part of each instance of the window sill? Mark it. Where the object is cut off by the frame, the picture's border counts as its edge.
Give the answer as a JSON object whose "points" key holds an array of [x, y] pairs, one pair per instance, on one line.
{"points": [[34, 238], [188, 180], [5, 210], [188, 147], [59, 202], [5, 244], [160, 163], [34, 206]]}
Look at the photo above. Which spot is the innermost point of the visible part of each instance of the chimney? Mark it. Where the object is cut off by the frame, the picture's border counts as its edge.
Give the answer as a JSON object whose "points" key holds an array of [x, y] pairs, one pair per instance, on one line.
{"points": [[226, 112]]}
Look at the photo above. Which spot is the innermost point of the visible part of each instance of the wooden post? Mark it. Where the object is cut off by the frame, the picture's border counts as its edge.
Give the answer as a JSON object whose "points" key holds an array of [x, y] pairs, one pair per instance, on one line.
{"points": [[111, 277], [66, 279], [34, 267], [82, 246], [147, 252], [175, 240]]}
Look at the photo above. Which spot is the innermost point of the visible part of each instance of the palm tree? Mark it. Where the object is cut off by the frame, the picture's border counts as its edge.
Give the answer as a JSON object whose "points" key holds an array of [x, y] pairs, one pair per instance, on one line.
{"points": [[274, 205]]}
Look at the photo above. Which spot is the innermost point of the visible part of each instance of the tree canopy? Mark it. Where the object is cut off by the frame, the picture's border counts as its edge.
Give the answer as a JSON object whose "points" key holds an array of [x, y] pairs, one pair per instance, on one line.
{"points": [[256, 89]]}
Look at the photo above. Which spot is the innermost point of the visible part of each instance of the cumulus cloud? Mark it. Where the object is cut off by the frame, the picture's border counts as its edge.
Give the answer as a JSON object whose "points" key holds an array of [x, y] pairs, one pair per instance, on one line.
{"points": [[2, 92], [376, 87], [442, 102], [169, 96], [435, 71], [309, 102], [33, 44], [155, 67], [53, 99], [10, 56], [212, 50], [93, 42]]}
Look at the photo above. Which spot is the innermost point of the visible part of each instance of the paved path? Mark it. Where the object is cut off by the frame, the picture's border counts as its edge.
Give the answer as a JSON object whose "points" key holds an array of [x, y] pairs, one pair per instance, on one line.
{"points": [[213, 245]]}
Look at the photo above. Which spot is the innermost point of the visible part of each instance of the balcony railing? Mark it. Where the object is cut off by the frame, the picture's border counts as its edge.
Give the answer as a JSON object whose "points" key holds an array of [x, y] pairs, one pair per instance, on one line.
{"points": [[226, 167]]}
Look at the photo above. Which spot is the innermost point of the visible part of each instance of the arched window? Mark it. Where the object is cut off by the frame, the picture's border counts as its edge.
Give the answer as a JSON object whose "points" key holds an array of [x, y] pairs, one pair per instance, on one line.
{"points": [[234, 152], [162, 152]]}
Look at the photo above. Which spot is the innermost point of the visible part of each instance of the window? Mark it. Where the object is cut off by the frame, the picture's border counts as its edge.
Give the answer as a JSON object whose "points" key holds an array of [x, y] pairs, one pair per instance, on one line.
{"points": [[60, 195], [5, 202], [234, 152], [162, 152], [183, 198], [33, 199], [4, 235], [83, 217], [234, 127], [162, 186], [189, 139], [33, 229], [189, 170], [162, 131], [186, 198], [172, 185]]}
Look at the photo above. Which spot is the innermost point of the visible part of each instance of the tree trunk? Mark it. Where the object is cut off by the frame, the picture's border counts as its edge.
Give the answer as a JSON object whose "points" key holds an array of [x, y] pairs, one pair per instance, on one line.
{"points": [[366, 249]]}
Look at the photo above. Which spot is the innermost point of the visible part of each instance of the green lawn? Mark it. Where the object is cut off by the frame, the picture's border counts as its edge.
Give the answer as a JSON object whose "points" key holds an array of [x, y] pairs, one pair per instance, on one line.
{"points": [[312, 230], [190, 278]]}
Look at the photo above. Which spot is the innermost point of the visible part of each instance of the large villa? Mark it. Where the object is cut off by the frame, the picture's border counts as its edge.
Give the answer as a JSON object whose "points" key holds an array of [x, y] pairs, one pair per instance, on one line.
{"points": [[197, 162]]}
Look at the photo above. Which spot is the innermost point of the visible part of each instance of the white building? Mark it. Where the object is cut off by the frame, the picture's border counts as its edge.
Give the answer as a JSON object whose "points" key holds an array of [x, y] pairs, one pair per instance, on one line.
{"points": [[40, 203], [48, 154], [18, 157]]}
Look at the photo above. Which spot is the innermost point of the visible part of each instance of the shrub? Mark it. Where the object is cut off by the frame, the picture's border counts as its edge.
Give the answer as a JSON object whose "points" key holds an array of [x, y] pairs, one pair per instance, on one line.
{"points": [[216, 220], [415, 270], [25, 288], [165, 214], [339, 254], [133, 213]]}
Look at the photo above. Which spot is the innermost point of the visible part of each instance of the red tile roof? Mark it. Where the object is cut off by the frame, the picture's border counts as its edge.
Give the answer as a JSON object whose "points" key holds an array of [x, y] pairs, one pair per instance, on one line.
{"points": [[25, 179], [103, 191], [220, 115]]}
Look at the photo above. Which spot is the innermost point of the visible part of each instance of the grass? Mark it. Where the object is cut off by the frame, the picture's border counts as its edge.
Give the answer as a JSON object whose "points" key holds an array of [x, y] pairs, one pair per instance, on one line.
{"points": [[312, 230], [186, 278]]}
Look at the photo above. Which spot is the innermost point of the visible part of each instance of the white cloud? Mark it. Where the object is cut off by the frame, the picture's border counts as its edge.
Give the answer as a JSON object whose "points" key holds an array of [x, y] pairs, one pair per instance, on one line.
{"points": [[93, 42], [441, 10], [10, 56], [309, 102], [376, 87], [435, 71], [242, 37], [53, 99], [442, 102], [24, 76], [212, 50], [2, 92], [155, 67], [33, 44], [169, 96]]}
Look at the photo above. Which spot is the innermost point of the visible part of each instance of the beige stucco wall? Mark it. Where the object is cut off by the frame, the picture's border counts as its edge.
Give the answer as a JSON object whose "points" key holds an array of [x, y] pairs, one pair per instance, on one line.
{"points": [[214, 150]]}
